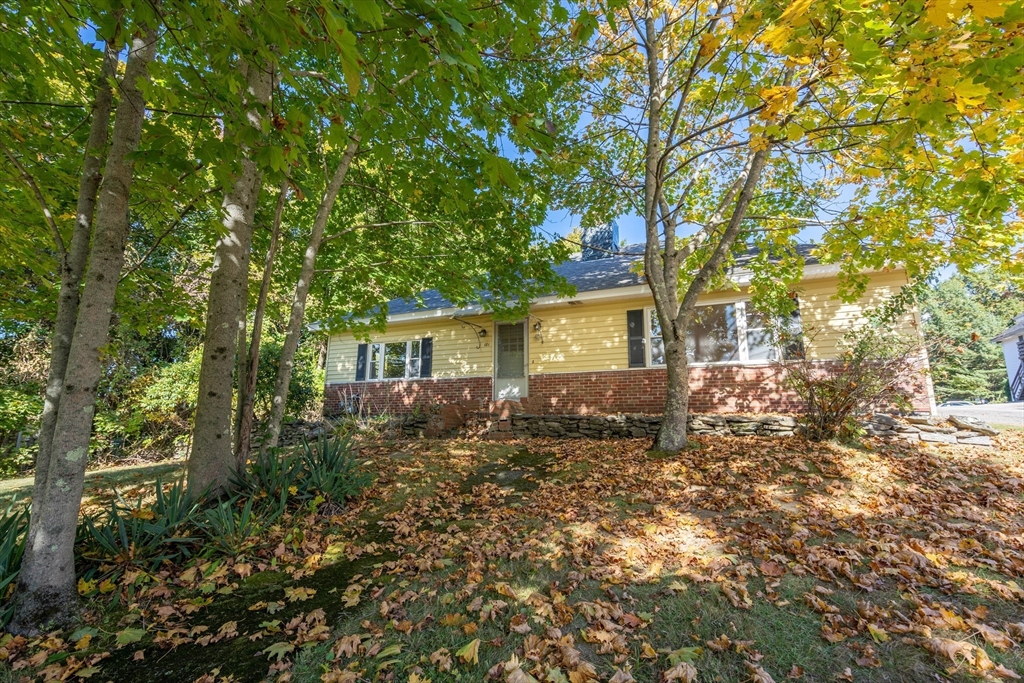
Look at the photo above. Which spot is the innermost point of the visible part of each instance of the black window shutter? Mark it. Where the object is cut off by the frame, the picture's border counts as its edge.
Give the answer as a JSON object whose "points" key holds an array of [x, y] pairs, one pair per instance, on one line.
{"points": [[635, 325], [361, 362], [426, 356]]}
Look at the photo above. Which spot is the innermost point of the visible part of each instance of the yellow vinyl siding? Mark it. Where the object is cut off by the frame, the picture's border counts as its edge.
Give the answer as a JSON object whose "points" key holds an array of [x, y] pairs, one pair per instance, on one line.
{"points": [[591, 336], [583, 338], [827, 319], [455, 351]]}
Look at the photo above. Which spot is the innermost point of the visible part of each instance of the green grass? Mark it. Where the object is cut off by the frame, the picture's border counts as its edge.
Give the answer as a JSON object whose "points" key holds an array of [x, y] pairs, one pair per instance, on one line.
{"points": [[782, 635], [101, 481], [786, 638], [652, 543]]}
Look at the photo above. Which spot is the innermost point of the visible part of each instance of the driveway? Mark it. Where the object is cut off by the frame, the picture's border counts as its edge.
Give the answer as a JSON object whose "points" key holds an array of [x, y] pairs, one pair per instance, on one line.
{"points": [[1002, 414]]}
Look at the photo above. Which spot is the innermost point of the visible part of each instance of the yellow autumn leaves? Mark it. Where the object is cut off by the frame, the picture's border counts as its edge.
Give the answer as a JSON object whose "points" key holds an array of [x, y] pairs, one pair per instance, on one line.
{"points": [[939, 13], [778, 102], [794, 16], [942, 13]]}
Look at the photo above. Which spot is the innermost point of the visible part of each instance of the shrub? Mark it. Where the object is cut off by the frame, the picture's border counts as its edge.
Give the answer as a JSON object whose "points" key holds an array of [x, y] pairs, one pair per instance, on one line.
{"points": [[326, 470], [874, 371], [20, 407], [141, 536], [306, 389], [13, 525], [228, 529], [168, 397], [270, 480], [331, 470]]}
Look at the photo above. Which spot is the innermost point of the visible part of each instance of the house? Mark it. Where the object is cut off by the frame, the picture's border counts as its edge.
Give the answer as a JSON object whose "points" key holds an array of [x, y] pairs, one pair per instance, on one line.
{"points": [[1012, 340], [598, 352]]}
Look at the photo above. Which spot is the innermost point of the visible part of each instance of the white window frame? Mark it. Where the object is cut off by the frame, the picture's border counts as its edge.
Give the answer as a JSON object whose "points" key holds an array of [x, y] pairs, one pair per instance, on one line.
{"points": [[741, 333], [380, 361]]}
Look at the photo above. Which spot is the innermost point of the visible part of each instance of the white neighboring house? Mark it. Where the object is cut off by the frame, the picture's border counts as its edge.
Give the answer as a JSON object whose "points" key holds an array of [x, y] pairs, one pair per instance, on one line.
{"points": [[1013, 351]]}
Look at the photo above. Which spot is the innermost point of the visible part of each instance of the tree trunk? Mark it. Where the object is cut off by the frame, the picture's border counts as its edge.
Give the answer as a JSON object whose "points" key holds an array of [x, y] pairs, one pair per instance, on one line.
{"points": [[672, 433], [663, 261], [247, 390], [212, 459], [321, 357], [294, 331], [47, 594], [74, 262], [241, 366]]}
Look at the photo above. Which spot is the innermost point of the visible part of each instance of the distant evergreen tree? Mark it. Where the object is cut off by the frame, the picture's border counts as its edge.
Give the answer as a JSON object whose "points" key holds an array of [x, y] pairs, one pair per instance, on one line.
{"points": [[961, 315]]}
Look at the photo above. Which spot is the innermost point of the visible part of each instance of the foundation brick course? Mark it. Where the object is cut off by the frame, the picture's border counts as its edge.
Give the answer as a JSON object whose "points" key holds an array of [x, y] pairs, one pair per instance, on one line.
{"points": [[713, 389], [402, 397]]}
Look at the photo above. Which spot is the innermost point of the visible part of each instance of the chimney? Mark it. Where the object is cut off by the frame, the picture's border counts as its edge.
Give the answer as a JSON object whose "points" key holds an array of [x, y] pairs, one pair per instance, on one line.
{"points": [[600, 241]]}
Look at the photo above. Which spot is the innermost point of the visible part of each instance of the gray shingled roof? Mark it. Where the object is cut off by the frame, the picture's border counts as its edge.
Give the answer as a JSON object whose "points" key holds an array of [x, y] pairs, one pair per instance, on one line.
{"points": [[612, 272]]}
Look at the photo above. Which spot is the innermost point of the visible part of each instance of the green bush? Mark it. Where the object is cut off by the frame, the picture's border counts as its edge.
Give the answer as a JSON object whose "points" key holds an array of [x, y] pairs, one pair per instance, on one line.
{"points": [[306, 390], [326, 470], [155, 407], [13, 525], [874, 371], [134, 535], [20, 407], [331, 470], [228, 528], [171, 392], [131, 534], [270, 479]]}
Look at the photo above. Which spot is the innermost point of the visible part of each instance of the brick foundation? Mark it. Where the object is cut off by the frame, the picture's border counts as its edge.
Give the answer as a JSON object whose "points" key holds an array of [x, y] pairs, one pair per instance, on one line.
{"points": [[713, 389], [402, 397]]}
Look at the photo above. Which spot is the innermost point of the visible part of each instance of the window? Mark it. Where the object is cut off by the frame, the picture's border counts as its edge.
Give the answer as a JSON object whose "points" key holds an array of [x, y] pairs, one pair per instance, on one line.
{"points": [[657, 344], [759, 337], [729, 333], [394, 360], [760, 344], [793, 336], [712, 336]]}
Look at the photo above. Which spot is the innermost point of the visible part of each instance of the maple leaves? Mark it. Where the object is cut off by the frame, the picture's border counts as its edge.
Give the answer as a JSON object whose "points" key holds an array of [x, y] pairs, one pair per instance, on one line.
{"points": [[576, 578], [644, 548], [942, 13]]}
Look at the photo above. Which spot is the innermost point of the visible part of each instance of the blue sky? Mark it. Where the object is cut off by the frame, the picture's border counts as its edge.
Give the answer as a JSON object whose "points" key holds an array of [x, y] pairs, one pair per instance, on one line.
{"points": [[631, 227]]}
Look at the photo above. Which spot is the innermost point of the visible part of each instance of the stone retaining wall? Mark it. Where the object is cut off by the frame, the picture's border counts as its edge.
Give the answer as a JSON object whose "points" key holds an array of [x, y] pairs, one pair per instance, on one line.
{"points": [[503, 421], [525, 425], [967, 431]]}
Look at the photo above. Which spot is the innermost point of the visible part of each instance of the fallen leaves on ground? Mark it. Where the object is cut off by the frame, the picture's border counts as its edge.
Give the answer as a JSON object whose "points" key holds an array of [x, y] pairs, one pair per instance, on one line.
{"points": [[896, 546]]}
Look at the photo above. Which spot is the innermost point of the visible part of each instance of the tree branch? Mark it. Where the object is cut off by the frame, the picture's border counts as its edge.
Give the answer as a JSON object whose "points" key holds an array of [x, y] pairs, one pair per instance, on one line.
{"points": [[31, 182]]}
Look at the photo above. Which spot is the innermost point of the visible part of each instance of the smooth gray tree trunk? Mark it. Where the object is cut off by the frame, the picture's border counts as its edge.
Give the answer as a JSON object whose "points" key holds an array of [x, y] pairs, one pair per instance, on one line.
{"points": [[47, 594], [298, 310], [241, 367], [247, 386], [663, 261], [672, 434], [73, 267], [212, 460]]}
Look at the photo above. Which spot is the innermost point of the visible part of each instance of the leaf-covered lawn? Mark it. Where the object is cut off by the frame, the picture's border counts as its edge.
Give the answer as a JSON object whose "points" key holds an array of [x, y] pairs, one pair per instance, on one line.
{"points": [[743, 559]]}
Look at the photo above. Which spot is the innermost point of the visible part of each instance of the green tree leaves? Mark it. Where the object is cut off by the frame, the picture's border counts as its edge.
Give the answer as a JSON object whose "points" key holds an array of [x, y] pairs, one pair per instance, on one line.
{"points": [[961, 315]]}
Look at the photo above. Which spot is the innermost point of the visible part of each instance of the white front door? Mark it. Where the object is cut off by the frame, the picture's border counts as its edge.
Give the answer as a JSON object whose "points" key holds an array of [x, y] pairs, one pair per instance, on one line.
{"points": [[510, 358]]}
